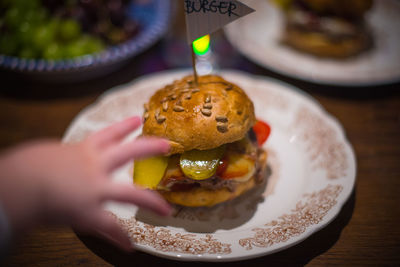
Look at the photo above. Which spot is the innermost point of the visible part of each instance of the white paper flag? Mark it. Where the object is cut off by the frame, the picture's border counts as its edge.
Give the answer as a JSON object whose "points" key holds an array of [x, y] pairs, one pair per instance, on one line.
{"points": [[206, 16]]}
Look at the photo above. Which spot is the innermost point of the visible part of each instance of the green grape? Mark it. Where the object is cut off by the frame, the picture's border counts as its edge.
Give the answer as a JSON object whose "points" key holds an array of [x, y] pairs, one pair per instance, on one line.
{"points": [[31, 32], [26, 33], [8, 44], [27, 52], [74, 49], [54, 24], [69, 30], [26, 4], [94, 45], [53, 51], [86, 44], [41, 15], [36, 16], [44, 35], [91, 44], [13, 17]]}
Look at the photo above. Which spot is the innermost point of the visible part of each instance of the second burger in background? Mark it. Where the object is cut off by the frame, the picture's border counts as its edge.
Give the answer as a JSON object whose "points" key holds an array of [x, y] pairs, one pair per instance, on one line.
{"points": [[215, 154], [327, 28]]}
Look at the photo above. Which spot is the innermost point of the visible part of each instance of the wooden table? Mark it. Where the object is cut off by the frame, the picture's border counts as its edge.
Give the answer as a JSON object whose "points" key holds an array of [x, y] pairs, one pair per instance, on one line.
{"points": [[365, 232]]}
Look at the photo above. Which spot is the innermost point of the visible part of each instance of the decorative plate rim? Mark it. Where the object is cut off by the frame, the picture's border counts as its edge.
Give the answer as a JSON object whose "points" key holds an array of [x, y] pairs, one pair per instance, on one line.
{"points": [[331, 214]]}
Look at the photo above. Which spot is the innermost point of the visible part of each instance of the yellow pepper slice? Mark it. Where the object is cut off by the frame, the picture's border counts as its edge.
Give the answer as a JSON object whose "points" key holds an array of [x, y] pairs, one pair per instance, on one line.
{"points": [[149, 172]]}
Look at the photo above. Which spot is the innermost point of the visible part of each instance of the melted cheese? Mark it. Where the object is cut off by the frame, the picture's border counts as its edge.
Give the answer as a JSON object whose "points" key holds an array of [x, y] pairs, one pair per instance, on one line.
{"points": [[240, 167]]}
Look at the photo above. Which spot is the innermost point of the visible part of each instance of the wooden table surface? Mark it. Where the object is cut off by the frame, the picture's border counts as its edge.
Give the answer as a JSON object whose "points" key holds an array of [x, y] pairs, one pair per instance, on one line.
{"points": [[366, 232]]}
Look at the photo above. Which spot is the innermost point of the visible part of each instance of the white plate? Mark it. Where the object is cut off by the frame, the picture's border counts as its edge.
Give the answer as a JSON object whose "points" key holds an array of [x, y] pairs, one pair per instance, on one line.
{"points": [[313, 173], [258, 37]]}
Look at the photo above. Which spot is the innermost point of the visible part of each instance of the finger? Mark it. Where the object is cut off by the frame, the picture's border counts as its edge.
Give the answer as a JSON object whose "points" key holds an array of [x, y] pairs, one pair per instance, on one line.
{"points": [[116, 131], [137, 149], [139, 197], [108, 228]]}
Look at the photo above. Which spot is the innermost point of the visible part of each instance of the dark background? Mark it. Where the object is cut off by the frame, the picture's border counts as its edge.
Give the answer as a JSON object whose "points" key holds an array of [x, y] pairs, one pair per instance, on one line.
{"points": [[366, 232]]}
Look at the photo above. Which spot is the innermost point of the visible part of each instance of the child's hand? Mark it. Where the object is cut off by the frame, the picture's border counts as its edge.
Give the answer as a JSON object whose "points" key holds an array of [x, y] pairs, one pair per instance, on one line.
{"points": [[54, 183]]}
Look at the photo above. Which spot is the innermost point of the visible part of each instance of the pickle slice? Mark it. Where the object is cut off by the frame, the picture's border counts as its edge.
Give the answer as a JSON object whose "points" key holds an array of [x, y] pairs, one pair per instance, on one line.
{"points": [[149, 172], [201, 164]]}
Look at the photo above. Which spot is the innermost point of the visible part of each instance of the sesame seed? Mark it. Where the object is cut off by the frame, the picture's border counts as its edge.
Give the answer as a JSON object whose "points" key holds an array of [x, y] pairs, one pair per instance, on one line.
{"points": [[222, 128], [165, 106], [161, 119], [207, 106], [221, 119], [206, 112], [178, 109]]}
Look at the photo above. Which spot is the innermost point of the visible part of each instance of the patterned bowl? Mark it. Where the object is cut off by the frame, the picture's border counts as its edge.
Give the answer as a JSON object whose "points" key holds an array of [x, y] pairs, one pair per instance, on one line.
{"points": [[154, 17]]}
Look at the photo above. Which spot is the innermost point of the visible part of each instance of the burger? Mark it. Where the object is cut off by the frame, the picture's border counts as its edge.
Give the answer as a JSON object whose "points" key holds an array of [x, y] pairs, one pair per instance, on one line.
{"points": [[327, 28], [215, 154]]}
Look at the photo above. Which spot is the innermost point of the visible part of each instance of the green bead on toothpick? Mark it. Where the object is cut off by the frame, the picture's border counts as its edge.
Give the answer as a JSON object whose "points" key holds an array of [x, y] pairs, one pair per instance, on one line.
{"points": [[202, 45], [205, 17]]}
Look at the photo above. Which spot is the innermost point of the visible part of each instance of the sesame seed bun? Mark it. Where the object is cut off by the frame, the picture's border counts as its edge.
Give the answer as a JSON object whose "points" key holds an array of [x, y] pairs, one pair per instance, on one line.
{"points": [[203, 116]]}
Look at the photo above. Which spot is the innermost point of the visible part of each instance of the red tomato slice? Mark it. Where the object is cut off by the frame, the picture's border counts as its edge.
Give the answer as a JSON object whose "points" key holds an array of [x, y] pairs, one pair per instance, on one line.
{"points": [[223, 164], [262, 131]]}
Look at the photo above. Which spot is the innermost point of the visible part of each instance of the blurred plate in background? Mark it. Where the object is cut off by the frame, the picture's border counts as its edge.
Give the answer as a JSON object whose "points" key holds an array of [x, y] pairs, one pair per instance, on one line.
{"points": [[258, 37], [153, 17]]}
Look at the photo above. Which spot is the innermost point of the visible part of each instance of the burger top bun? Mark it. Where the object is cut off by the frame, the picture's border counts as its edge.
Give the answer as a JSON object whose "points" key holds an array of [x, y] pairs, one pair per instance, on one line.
{"points": [[213, 113]]}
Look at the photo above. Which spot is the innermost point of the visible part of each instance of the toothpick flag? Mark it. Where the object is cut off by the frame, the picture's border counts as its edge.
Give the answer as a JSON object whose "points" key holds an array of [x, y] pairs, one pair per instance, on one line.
{"points": [[206, 16]]}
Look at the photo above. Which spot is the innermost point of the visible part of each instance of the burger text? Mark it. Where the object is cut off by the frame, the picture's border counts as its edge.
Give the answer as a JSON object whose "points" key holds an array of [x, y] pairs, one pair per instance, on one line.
{"points": [[222, 7]]}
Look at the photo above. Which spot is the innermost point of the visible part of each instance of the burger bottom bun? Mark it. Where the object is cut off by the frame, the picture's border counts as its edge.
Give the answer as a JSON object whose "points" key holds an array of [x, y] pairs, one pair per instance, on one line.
{"points": [[320, 44], [201, 197]]}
